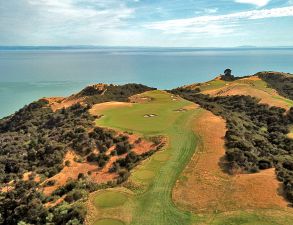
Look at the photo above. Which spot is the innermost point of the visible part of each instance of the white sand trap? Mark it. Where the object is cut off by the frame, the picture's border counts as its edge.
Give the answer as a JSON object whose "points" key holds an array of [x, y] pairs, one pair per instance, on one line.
{"points": [[149, 115], [180, 110]]}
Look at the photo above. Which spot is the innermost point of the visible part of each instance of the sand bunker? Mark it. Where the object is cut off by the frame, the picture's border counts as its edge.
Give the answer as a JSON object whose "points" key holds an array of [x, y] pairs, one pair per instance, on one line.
{"points": [[180, 110], [150, 115]]}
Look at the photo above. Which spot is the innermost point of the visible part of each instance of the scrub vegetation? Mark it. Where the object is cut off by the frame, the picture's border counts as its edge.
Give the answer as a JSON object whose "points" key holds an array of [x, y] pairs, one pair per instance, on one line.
{"points": [[35, 141], [120, 151], [256, 138], [281, 82]]}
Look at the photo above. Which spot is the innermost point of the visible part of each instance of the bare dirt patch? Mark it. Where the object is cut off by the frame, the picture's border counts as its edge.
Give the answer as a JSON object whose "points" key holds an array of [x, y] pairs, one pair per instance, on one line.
{"points": [[72, 171], [26, 177], [57, 103], [140, 145], [92, 170], [205, 187]]}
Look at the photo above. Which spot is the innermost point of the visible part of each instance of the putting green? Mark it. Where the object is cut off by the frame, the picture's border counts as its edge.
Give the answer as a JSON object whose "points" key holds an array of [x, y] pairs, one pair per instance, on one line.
{"points": [[109, 222], [132, 118], [108, 199]]}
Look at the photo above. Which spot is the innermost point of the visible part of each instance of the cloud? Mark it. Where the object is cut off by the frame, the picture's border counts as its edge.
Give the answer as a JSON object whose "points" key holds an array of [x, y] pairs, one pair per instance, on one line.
{"points": [[71, 21], [215, 24], [99, 12], [259, 3], [124, 22], [211, 10]]}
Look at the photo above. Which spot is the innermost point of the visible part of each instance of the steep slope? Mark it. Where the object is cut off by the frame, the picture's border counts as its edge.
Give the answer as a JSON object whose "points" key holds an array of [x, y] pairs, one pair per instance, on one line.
{"points": [[205, 187], [52, 158], [99, 93], [254, 86], [216, 183], [281, 82], [257, 134], [214, 149]]}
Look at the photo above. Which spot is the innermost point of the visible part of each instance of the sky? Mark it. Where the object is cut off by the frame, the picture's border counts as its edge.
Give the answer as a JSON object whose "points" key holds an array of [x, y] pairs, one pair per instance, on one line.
{"points": [[165, 23]]}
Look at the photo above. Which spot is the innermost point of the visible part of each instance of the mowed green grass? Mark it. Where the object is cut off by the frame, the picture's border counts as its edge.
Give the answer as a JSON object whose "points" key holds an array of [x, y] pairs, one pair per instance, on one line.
{"points": [[213, 84], [108, 199], [259, 217], [132, 118], [152, 203], [109, 222]]}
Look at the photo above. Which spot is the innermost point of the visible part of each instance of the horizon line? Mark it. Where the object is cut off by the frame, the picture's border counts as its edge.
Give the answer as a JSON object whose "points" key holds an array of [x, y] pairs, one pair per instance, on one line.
{"points": [[141, 46]]}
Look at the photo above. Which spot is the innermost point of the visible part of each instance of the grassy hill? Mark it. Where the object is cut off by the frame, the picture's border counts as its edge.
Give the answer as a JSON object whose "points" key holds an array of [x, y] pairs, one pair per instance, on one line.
{"points": [[218, 152]]}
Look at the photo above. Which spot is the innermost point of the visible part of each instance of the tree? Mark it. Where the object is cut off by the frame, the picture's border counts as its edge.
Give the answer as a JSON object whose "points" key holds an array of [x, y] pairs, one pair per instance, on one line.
{"points": [[67, 163], [228, 72], [228, 75]]}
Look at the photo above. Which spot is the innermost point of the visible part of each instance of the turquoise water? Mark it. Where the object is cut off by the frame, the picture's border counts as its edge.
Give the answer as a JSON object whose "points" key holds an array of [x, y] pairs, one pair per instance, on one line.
{"points": [[14, 95], [26, 75]]}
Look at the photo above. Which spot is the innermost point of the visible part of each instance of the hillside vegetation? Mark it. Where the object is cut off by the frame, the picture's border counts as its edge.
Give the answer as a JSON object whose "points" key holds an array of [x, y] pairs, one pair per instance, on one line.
{"points": [[251, 86], [35, 140], [99, 93], [256, 138], [115, 154], [205, 188], [281, 82]]}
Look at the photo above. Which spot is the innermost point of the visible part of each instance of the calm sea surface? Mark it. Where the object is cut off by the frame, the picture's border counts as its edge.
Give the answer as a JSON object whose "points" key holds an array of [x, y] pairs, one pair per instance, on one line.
{"points": [[27, 75]]}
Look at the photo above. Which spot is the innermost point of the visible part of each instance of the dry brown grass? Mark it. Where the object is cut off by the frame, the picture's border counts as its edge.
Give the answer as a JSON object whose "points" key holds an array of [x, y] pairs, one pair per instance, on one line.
{"points": [[97, 175], [72, 171], [204, 186], [246, 86], [98, 108], [290, 135]]}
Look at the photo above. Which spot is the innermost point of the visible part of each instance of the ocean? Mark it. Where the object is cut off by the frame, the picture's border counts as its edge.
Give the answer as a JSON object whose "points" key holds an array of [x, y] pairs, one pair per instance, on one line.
{"points": [[27, 74]]}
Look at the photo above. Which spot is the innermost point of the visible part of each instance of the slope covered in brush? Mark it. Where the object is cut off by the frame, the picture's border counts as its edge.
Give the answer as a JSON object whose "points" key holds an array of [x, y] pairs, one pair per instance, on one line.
{"points": [[256, 138], [282, 82], [34, 144]]}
